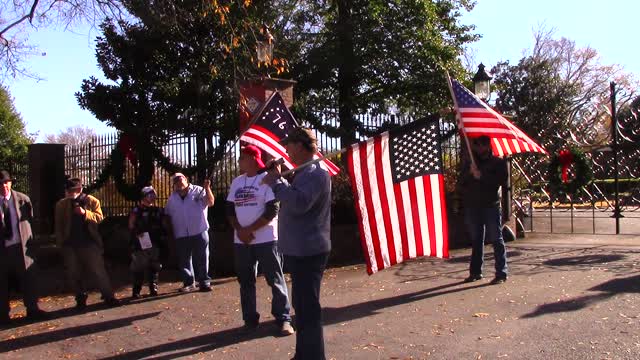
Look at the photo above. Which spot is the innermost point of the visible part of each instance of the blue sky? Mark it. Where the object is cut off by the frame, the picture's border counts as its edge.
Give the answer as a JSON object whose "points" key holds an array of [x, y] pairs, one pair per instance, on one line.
{"points": [[48, 106]]}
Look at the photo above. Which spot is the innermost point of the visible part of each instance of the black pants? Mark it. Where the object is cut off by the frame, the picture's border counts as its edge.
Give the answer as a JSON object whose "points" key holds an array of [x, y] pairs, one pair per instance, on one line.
{"points": [[306, 278], [12, 271]]}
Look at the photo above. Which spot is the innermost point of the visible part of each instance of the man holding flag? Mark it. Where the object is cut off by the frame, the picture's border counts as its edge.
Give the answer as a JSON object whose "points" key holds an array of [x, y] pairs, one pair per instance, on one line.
{"points": [[479, 184], [304, 236], [483, 174]]}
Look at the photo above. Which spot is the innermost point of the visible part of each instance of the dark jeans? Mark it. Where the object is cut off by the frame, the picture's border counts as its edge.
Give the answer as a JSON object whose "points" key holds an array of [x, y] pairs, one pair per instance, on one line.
{"points": [[485, 224], [148, 261], [193, 258], [12, 268], [247, 258], [306, 278]]}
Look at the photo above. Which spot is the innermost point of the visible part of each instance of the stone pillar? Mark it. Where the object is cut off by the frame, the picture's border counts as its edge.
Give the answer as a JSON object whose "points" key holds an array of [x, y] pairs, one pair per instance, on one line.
{"points": [[46, 180]]}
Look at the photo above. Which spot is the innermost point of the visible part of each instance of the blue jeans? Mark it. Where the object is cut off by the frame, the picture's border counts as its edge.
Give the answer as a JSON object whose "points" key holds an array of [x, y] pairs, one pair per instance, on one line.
{"points": [[306, 278], [485, 223], [247, 258], [193, 258]]}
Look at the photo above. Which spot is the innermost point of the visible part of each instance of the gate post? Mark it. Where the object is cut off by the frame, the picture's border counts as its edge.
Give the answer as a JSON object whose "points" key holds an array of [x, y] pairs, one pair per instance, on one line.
{"points": [[46, 182], [617, 213]]}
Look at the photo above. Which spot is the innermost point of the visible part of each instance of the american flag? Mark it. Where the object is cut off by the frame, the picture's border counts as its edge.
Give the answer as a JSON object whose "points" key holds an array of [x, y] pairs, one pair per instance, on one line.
{"points": [[478, 119], [271, 125], [399, 195]]}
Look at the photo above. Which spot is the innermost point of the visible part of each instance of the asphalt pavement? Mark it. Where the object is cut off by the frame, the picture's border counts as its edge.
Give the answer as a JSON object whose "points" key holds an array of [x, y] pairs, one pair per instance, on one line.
{"points": [[567, 297]]}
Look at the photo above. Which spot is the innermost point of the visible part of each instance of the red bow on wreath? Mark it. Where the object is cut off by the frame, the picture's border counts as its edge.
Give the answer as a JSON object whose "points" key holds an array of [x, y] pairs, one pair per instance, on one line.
{"points": [[127, 146], [566, 159]]}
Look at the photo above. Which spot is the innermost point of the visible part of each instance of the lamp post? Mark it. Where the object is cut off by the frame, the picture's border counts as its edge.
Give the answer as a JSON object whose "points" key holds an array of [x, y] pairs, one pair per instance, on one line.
{"points": [[482, 83], [256, 90], [264, 45]]}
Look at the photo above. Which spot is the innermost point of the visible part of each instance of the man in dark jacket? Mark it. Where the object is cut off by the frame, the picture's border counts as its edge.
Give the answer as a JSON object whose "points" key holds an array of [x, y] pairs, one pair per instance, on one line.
{"points": [[304, 229], [479, 185], [16, 261]]}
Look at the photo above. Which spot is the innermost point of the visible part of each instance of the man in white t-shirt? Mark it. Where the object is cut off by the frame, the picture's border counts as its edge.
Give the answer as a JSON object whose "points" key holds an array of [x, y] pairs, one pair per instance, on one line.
{"points": [[253, 212]]}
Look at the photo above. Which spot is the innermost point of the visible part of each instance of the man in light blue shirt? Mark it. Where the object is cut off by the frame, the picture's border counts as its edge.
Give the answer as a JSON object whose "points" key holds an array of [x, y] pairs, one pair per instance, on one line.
{"points": [[187, 208]]}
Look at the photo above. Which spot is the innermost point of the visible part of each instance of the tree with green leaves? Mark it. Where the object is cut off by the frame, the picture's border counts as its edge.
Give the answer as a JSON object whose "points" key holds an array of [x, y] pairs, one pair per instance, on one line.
{"points": [[356, 56], [13, 135], [173, 71]]}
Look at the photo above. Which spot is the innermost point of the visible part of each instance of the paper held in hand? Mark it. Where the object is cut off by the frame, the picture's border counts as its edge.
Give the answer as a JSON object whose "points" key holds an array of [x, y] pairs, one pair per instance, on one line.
{"points": [[145, 241]]}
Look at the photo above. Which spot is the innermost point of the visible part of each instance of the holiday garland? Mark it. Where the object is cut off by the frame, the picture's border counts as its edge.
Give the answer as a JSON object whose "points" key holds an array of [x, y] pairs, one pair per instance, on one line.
{"points": [[142, 154], [560, 183]]}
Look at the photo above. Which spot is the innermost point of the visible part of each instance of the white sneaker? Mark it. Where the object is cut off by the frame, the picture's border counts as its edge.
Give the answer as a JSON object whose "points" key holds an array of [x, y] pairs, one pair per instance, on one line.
{"points": [[187, 288], [286, 329]]}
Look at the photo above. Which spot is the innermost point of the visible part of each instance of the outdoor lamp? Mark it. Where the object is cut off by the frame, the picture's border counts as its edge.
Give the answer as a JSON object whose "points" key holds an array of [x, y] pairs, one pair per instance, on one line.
{"points": [[481, 82], [264, 45]]}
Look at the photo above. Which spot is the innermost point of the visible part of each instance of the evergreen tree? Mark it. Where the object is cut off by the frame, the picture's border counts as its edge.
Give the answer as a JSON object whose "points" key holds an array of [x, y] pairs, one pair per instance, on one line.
{"points": [[13, 135]]}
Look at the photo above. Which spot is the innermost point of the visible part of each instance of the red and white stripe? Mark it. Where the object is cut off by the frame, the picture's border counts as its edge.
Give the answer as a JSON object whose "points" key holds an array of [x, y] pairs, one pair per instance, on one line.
{"points": [[267, 141], [506, 138], [397, 221]]}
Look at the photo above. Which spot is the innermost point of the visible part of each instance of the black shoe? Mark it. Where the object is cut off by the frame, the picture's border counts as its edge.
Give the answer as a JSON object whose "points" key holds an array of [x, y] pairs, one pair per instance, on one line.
{"points": [[498, 280], [473, 277], [153, 289], [112, 302], [205, 288], [135, 292], [250, 326], [37, 315], [81, 301]]}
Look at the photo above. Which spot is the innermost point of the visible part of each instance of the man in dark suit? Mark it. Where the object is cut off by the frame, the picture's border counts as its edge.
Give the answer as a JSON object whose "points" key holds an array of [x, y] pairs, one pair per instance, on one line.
{"points": [[16, 241]]}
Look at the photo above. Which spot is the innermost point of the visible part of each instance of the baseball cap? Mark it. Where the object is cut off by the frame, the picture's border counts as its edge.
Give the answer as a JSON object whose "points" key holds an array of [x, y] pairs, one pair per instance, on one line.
{"points": [[177, 176], [255, 153], [148, 190]]}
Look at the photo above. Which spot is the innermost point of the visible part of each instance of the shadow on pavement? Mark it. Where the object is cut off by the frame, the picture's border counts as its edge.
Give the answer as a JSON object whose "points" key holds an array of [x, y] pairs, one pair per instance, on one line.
{"points": [[584, 260], [608, 289], [224, 338], [68, 333], [198, 344], [333, 315]]}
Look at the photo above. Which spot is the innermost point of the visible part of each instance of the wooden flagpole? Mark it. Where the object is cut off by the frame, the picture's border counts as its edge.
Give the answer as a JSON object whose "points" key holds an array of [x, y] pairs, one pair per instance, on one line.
{"points": [[314, 161], [459, 119]]}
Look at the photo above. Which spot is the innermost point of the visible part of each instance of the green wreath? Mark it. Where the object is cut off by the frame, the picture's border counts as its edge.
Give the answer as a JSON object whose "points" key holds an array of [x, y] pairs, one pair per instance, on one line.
{"points": [[560, 183]]}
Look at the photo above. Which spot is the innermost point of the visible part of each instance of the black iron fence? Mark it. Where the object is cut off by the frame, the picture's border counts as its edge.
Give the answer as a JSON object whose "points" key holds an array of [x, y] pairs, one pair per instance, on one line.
{"points": [[86, 161]]}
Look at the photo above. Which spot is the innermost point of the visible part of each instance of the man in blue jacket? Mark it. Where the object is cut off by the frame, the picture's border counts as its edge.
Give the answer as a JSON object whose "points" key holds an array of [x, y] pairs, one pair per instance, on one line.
{"points": [[304, 236]]}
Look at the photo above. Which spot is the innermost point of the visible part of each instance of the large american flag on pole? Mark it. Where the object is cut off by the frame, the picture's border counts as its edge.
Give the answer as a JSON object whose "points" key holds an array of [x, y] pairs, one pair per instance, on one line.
{"points": [[399, 195], [270, 126], [476, 119]]}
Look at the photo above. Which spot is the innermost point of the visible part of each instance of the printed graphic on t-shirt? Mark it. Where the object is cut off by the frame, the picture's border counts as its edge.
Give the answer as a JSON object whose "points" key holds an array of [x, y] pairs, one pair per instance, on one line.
{"points": [[250, 198], [246, 196]]}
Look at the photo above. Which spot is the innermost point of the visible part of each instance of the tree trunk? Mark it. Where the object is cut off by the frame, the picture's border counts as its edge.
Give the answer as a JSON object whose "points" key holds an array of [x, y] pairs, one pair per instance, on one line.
{"points": [[346, 73]]}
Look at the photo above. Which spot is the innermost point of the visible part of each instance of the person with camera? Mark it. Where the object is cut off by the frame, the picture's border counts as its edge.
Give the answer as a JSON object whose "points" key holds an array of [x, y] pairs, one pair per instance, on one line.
{"points": [[16, 254], [145, 224], [77, 216]]}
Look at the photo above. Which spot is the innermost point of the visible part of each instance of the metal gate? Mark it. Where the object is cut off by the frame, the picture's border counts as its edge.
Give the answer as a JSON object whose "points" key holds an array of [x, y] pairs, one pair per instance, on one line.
{"points": [[610, 204]]}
